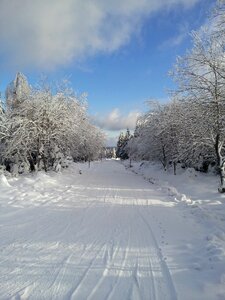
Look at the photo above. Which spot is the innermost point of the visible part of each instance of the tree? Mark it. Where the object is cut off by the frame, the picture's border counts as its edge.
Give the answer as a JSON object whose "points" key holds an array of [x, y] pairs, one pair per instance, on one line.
{"points": [[122, 150], [200, 75], [45, 126], [17, 91]]}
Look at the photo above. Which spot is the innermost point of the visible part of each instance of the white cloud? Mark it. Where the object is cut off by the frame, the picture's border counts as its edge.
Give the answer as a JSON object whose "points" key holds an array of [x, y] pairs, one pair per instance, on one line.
{"points": [[115, 121], [112, 138], [49, 33], [183, 32]]}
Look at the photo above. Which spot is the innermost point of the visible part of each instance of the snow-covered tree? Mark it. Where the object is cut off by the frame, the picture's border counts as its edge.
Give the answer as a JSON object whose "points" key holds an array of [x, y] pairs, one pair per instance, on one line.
{"points": [[45, 126], [201, 79], [167, 133], [17, 91]]}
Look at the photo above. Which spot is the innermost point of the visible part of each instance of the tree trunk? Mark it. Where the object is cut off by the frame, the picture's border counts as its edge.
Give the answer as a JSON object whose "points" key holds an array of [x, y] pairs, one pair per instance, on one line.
{"points": [[45, 163], [221, 166], [221, 188], [174, 168], [164, 162]]}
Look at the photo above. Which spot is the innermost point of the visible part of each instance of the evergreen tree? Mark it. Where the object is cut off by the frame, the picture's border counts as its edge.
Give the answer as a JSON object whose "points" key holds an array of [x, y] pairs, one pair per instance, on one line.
{"points": [[121, 150]]}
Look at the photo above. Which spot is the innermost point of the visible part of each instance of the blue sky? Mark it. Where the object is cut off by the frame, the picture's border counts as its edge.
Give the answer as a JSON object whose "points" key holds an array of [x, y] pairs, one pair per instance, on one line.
{"points": [[119, 52]]}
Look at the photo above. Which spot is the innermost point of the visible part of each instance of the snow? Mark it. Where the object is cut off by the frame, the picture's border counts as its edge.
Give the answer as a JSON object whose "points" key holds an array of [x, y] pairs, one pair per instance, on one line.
{"points": [[3, 181], [108, 233]]}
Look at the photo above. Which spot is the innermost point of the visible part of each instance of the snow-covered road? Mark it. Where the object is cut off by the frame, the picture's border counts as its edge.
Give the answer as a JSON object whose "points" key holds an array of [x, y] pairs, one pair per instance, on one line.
{"points": [[104, 234]]}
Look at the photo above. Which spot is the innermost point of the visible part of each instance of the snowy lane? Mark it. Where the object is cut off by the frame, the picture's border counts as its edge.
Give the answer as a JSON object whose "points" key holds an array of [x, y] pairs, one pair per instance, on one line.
{"points": [[89, 236]]}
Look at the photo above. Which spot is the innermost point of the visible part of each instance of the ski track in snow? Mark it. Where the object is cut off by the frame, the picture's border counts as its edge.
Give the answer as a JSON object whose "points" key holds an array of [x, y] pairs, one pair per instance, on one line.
{"points": [[89, 236]]}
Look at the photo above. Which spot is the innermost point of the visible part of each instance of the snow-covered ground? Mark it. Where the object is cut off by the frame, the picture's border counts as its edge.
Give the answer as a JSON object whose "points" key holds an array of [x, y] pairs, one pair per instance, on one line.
{"points": [[109, 233]]}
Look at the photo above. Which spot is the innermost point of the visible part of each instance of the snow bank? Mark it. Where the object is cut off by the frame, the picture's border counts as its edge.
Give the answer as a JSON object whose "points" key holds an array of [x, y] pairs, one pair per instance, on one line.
{"points": [[3, 181], [198, 199]]}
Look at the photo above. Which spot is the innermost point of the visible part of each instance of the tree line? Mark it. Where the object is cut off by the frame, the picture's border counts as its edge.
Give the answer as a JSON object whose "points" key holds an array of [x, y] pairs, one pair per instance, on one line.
{"points": [[44, 127], [190, 128]]}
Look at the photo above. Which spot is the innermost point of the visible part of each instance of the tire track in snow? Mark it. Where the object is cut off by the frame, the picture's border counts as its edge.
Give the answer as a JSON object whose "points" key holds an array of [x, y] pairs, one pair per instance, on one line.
{"points": [[60, 275], [136, 285], [150, 265], [153, 296], [151, 288], [85, 274], [108, 262], [164, 267], [106, 255], [122, 267]]}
